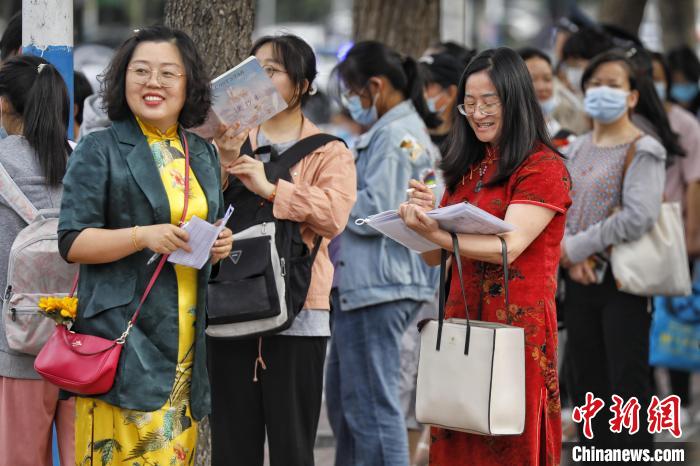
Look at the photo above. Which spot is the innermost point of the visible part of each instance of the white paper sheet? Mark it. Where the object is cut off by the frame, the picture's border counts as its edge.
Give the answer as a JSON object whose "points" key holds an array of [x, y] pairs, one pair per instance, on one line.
{"points": [[458, 218], [202, 237]]}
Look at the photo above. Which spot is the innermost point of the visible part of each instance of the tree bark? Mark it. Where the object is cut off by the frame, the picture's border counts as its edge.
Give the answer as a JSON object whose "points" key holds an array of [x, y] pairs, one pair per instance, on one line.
{"points": [[222, 30], [408, 26]]}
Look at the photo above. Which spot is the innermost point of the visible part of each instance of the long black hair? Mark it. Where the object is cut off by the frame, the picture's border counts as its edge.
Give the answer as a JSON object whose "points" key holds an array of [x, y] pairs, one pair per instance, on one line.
{"points": [[38, 94], [523, 128], [638, 65], [198, 90], [371, 58], [298, 59]]}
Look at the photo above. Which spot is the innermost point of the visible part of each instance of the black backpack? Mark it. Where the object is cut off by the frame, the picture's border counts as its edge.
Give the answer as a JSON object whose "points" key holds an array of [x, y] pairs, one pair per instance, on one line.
{"points": [[261, 287]]}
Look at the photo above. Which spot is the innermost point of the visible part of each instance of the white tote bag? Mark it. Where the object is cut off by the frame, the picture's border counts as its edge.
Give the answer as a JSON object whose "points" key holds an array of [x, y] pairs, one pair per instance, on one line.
{"points": [[471, 374], [657, 263]]}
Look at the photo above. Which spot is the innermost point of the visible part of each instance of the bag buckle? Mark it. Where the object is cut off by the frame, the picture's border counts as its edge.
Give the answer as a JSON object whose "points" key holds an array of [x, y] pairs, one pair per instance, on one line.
{"points": [[122, 339]]}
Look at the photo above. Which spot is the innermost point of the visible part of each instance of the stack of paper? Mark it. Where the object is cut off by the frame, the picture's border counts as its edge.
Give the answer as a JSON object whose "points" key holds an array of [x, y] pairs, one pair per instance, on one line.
{"points": [[202, 237], [458, 218]]}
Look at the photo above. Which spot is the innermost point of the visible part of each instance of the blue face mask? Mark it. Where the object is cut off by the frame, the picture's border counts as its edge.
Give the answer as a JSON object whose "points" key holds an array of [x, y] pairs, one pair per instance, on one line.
{"points": [[432, 104], [549, 105], [605, 104], [363, 116], [684, 92], [660, 90], [3, 131]]}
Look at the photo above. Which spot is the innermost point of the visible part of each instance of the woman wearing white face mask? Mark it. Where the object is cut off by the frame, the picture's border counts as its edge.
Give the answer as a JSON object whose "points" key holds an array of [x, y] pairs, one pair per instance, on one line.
{"points": [[379, 285], [608, 330]]}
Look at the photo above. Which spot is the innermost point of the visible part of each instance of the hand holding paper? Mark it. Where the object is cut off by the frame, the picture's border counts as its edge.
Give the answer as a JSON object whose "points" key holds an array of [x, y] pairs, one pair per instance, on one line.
{"points": [[203, 235]]}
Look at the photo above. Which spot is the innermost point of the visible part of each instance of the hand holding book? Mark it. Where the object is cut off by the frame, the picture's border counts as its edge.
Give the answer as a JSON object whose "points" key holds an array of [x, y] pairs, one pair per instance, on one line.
{"points": [[229, 139]]}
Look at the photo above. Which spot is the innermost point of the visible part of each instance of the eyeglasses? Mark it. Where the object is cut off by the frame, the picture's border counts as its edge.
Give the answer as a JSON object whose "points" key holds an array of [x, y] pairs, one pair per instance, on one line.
{"points": [[166, 78], [271, 71], [485, 109]]}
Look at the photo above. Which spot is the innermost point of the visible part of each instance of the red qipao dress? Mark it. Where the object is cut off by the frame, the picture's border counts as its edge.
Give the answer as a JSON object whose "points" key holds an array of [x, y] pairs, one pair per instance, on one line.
{"points": [[542, 179]]}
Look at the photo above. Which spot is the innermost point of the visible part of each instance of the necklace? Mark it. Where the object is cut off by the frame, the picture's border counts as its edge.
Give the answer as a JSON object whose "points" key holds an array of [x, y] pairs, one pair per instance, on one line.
{"points": [[482, 168]]}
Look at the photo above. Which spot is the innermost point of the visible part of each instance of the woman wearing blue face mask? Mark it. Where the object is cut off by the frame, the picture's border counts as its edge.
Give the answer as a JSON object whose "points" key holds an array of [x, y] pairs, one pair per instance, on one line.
{"points": [[684, 66], [608, 330], [442, 73], [379, 285]]}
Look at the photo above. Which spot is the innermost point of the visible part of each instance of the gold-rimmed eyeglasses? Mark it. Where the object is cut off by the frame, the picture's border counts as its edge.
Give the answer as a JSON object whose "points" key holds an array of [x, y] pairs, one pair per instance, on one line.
{"points": [[485, 109], [165, 77]]}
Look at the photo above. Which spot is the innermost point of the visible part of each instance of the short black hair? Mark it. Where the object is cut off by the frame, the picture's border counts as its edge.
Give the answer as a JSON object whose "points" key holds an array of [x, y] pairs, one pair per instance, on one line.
{"points": [[523, 125], [298, 60], [197, 92], [11, 39], [527, 53], [81, 90], [586, 44]]}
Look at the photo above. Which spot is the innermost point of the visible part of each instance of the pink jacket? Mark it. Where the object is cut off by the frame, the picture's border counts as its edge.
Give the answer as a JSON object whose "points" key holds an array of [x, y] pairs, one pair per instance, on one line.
{"points": [[320, 197]]}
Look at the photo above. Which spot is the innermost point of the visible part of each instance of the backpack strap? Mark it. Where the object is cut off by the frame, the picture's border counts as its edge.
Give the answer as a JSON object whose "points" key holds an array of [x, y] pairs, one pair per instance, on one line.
{"points": [[280, 168], [15, 198]]}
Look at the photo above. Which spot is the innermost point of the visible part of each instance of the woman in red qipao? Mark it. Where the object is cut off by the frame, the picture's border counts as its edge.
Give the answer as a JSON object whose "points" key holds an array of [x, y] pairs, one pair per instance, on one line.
{"points": [[501, 159]]}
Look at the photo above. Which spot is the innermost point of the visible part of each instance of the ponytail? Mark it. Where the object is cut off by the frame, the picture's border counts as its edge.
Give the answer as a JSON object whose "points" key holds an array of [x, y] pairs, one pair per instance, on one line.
{"points": [[39, 95], [371, 58], [414, 91]]}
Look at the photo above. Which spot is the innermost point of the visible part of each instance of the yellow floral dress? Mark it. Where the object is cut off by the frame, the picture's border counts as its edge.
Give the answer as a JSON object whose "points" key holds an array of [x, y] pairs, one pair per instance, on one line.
{"points": [[168, 436]]}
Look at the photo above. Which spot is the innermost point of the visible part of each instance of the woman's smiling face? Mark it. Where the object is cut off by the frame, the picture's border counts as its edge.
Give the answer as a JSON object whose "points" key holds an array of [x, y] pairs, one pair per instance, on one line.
{"points": [[152, 102], [480, 95]]}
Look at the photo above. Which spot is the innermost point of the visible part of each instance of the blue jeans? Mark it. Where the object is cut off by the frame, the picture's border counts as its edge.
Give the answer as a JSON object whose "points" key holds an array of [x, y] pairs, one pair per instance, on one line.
{"points": [[362, 383]]}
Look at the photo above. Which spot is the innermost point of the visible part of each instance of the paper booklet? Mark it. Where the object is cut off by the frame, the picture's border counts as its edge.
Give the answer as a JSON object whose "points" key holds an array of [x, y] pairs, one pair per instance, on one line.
{"points": [[458, 218], [243, 94], [202, 237]]}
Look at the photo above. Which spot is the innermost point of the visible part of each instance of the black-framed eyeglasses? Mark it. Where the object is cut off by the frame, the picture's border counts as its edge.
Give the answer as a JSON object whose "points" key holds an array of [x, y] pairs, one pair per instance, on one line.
{"points": [[270, 70]]}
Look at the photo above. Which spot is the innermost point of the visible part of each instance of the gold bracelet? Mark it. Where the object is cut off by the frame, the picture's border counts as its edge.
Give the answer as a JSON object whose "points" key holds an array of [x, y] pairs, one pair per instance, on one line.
{"points": [[133, 238]]}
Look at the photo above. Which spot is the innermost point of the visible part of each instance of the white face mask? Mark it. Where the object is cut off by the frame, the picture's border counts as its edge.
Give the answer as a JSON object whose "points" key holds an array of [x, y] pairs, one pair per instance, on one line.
{"points": [[574, 75], [549, 105]]}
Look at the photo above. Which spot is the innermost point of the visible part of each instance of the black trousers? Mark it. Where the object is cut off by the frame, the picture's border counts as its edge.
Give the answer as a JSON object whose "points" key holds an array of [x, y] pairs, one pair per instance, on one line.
{"points": [[285, 402], [608, 348]]}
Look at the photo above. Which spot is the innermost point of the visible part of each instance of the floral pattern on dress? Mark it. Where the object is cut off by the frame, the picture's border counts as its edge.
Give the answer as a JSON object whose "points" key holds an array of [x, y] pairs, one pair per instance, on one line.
{"points": [[541, 180]]}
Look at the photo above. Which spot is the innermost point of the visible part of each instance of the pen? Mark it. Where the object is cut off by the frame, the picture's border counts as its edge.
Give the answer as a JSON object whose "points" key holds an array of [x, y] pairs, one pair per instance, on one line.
{"points": [[431, 186], [153, 258]]}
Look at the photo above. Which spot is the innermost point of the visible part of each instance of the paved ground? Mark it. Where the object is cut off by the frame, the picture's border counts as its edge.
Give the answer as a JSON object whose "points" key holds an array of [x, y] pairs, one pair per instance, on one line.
{"points": [[325, 450]]}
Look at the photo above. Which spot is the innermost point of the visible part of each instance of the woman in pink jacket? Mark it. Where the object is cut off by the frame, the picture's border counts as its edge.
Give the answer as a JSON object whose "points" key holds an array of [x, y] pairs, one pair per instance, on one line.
{"points": [[285, 401]]}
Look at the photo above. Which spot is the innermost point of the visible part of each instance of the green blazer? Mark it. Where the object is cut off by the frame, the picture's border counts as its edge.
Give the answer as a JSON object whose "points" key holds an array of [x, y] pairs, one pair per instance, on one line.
{"points": [[112, 182]]}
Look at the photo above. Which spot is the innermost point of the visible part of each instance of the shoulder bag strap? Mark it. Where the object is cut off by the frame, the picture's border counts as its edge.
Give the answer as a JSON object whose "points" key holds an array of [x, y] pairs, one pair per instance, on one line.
{"points": [[294, 155], [457, 260], [629, 156], [15, 198]]}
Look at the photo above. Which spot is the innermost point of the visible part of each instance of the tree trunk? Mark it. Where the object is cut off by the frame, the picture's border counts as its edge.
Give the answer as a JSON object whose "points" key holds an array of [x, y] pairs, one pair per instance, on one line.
{"points": [[408, 26], [222, 31]]}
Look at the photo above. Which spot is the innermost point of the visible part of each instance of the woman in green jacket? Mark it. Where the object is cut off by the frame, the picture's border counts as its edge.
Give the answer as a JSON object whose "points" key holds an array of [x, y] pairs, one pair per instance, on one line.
{"points": [[124, 195]]}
